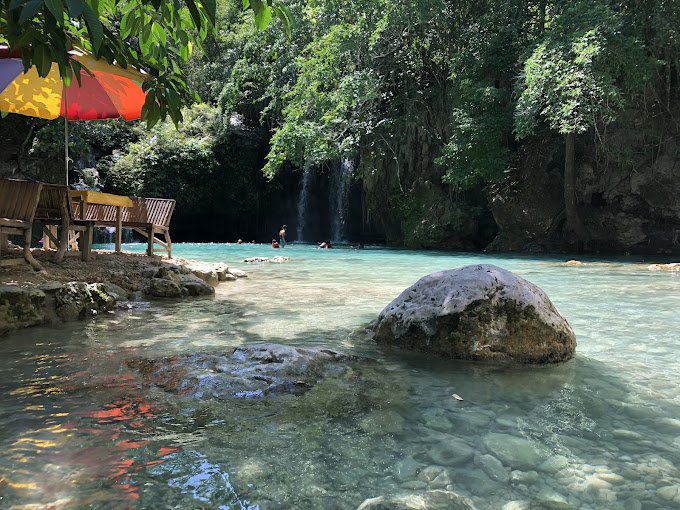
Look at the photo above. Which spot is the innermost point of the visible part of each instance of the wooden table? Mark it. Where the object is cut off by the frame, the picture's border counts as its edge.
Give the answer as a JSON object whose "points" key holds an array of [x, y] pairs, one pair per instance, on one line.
{"points": [[96, 197]]}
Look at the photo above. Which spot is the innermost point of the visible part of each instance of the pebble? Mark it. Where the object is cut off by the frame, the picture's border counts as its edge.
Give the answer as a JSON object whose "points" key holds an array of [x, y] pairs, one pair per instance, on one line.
{"points": [[669, 492], [451, 453], [612, 478], [514, 451], [493, 468], [517, 505], [554, 464], [524, 477], [552, 500]]}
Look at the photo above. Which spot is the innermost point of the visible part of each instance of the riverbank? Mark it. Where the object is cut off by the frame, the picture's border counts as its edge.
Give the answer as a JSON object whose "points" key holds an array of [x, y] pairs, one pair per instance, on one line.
{"points": [[75, 289]]}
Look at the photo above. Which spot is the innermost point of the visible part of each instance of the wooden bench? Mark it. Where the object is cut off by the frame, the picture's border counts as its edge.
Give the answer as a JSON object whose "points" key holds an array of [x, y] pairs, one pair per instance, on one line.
{"points": [[55, 209], [18, 202], [147, 216]]}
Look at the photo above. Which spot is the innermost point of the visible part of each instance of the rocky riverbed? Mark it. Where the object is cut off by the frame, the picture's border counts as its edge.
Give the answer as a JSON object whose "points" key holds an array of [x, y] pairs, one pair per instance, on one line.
{"points": [[75, 289]]}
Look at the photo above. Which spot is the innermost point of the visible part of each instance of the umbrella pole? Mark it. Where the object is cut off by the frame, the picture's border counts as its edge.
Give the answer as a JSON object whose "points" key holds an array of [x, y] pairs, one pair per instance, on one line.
{"points": [[66, 137]]}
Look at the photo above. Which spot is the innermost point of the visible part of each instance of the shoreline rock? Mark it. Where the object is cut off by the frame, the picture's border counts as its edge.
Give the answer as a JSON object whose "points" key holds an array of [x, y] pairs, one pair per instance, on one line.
{"points": [[480, 312], [76, 290]]}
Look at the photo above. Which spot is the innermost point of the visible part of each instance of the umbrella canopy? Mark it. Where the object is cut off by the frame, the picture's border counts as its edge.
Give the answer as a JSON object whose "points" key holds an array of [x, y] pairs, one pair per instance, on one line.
{"points": [[110, 93]]}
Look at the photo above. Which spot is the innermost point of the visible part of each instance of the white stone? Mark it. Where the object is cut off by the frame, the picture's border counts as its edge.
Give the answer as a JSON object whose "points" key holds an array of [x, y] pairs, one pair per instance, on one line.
{"points": [[238, 273], [517, 505], [668, 492]]}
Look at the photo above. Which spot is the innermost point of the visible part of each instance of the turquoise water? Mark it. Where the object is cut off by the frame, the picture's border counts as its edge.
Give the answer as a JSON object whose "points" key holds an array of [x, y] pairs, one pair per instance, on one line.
{"points": [[79, 429]]}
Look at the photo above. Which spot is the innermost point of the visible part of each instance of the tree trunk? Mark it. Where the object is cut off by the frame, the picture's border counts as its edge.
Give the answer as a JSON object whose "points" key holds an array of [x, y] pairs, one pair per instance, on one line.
{"points": [[573, 224]]}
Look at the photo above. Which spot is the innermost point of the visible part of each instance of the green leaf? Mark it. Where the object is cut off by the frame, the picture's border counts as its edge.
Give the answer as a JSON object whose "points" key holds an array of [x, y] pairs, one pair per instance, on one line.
{"points": [[56, 7], [42, 59], [30, 10], [246, 4], [4, 114], [159, 33], [283, 13], [210, 7], [195, 14], [126, 25], [263, 14], [75, 7], [77, 69], [94, 28]]}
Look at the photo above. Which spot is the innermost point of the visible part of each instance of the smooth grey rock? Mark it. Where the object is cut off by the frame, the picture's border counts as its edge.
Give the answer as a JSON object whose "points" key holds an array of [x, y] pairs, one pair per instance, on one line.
{"points": [[77, 300], [550, 500], [166, 285], [238, 273], [516, 452], [517, 505], [195, 286], [251, 371], [20, 308], [451, 453], [429, 500], [407, 468], [554, 464], [524, 477], [493, 468], [477, 312]]}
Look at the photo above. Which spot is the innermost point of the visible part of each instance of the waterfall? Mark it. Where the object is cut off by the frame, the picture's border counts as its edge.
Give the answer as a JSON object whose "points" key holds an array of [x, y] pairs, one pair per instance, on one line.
{"points": [[339, 200], [302, 203]]}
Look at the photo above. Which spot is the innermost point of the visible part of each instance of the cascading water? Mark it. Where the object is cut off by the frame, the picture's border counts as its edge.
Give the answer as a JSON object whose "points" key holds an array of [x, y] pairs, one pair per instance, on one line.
{"points": [[302, 203], [339, 199]]}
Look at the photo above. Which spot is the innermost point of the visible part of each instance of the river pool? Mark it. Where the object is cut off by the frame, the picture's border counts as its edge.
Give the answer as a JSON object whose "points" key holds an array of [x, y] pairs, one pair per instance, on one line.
{"points": [[79, 429]]}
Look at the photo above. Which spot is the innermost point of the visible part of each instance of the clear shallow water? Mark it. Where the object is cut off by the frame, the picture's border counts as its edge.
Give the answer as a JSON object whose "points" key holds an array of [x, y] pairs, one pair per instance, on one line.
{"points": [[79, 429]]}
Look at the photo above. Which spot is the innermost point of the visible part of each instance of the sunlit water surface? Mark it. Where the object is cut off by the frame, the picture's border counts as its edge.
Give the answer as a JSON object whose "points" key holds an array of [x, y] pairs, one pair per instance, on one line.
{"points": [[80, 429]]}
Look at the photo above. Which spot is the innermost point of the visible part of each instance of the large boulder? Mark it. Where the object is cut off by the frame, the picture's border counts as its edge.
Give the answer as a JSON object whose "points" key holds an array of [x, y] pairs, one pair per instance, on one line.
{"points": [[20, 308], [478, 312]]}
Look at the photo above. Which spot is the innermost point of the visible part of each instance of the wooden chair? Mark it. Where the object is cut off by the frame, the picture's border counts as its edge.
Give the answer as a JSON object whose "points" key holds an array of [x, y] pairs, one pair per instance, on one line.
{"points": [[54, 209], [147, 216], [18, 202]]}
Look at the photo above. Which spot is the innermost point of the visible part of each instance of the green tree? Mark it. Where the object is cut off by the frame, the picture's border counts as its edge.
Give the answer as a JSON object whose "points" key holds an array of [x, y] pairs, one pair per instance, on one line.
{"points": [[154, 35], [575, 77]]}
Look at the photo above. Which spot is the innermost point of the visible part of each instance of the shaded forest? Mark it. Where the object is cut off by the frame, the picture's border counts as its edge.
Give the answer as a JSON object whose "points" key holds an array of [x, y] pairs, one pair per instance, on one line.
{"points": [[539, 126]]}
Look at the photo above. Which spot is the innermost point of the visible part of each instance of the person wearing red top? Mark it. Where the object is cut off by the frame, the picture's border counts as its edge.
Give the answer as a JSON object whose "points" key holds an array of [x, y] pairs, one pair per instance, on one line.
{"points": [[275, 243]]}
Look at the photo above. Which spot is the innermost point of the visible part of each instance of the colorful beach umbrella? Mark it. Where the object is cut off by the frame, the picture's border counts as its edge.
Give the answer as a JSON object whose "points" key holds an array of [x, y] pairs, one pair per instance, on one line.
{"points": [[110, 92]]}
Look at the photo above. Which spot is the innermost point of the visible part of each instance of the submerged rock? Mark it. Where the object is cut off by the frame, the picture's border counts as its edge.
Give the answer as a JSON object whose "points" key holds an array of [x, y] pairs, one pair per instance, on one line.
{"points": [[427, 500], [477, 312], [250, 371], [20, 308]]}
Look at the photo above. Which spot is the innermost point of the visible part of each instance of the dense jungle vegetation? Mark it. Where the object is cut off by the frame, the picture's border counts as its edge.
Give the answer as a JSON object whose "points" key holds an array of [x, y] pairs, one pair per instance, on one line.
{"points": [[510, 125]]}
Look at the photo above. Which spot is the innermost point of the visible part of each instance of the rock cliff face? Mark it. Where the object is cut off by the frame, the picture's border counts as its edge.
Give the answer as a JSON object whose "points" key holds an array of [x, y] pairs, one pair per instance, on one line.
{"points": [[477, 312], [627, 192]]}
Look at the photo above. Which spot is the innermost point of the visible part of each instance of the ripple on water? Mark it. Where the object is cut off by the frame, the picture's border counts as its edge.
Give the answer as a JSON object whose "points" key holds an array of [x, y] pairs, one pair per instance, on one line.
{"points": [[601, 431]]}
